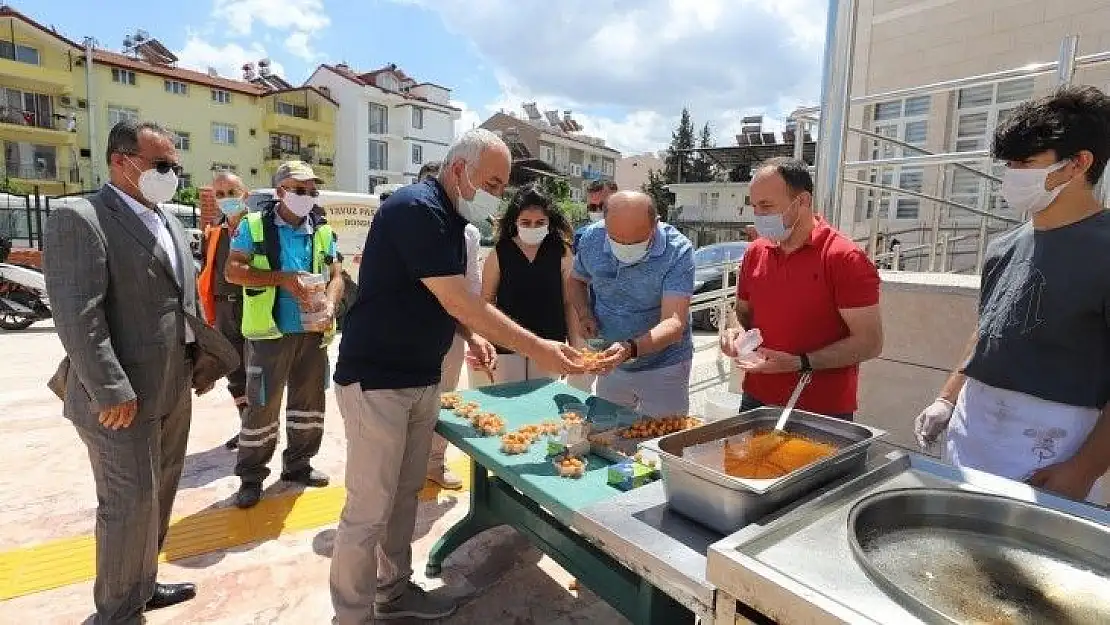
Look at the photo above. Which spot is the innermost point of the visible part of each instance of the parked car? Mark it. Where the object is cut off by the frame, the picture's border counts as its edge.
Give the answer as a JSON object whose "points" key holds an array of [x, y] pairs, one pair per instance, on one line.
{"points": [[710, 263]]}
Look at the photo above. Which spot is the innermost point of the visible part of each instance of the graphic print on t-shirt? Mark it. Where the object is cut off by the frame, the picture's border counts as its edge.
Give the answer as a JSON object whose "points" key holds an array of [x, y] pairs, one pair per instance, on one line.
{"points": [[1017, 310]]}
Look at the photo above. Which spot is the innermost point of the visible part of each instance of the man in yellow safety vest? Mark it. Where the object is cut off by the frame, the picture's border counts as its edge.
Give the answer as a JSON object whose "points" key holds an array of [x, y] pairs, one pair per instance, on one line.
{"points": [[284, 257]]}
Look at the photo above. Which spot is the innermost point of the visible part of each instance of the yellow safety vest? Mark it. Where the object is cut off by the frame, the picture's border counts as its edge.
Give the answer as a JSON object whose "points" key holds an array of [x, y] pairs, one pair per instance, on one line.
{"points": [[259, 302]]}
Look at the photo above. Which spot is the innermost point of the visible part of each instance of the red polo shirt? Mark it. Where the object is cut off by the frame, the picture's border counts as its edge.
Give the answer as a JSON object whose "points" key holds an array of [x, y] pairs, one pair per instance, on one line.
{"points": [[795, 300]]}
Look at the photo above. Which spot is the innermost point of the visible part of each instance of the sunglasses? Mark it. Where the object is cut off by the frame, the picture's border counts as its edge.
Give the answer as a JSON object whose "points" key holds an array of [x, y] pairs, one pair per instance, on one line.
{"points": [[593, 207], [302, 191]]}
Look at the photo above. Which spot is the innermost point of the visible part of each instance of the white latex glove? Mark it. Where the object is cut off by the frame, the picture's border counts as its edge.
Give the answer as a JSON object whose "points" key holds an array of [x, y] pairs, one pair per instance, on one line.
{"points": [[932, 421]]}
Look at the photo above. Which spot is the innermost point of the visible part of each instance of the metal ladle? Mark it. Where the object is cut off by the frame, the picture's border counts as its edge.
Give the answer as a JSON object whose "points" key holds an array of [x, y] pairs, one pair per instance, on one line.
{"points": [[778, 435]]}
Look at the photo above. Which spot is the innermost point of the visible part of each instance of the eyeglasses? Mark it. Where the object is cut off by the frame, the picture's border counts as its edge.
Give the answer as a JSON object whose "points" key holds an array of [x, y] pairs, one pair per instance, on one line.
{"points": [[226, 194], [302, 191], [593, 208]]}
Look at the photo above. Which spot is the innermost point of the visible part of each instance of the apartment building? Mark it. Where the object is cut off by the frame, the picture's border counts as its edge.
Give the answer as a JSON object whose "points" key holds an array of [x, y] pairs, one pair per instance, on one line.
{"points": [[632, 171], [558, 141], [56, 111], [37, 93], [388, 125], [901, 44]]}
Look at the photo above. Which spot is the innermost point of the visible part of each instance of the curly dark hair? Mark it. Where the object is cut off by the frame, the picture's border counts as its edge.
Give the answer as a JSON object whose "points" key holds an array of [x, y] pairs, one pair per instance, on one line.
{"points": [[1069, 121], [531, 196]]}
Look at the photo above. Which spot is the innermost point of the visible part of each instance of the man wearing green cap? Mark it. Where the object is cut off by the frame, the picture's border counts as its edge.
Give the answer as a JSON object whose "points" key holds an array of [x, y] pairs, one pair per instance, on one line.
{"points": [[284, 257]]}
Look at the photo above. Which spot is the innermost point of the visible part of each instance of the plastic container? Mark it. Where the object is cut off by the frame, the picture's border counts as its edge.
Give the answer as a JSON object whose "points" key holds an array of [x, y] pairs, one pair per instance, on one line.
{"points": [[722, 405], [314, 317]]}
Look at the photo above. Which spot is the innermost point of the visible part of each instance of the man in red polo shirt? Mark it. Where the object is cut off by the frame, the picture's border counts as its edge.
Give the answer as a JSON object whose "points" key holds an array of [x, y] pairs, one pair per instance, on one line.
{"points": [[813, 294]]}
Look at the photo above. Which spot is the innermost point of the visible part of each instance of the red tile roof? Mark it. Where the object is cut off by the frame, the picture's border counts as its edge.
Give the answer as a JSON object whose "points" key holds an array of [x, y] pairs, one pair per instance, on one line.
{"points": [[6, 11], [116, 59]]}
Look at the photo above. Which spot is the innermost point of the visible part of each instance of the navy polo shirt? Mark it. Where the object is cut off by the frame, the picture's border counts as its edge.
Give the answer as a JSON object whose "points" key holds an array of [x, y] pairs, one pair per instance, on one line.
{"points": [[396, 334]]}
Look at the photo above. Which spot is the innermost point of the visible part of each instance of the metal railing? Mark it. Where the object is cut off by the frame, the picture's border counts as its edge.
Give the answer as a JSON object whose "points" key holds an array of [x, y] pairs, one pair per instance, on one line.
{"points": [[831, 165], [311, 156], [33, 119]]}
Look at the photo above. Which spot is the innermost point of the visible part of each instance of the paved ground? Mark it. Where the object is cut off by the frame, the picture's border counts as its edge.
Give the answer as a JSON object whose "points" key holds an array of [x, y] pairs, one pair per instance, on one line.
{"points": [[48, 495]]}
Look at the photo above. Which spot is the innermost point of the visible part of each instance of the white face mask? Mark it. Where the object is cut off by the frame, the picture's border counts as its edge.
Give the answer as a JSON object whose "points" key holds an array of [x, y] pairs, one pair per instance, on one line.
{"points": [[773, 227], [481, 208], [1024, 189], [595, 216], [156, 188], [532, 236], [631, 253], [299, 205]]}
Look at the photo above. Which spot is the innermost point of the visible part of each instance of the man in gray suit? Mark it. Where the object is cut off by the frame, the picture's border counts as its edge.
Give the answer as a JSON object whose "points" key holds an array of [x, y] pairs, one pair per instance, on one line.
{"points": [[123, 288]]}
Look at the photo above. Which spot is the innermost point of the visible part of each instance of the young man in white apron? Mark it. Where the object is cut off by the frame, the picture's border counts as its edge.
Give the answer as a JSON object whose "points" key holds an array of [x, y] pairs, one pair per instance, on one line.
{"points": [[1030, 402]]}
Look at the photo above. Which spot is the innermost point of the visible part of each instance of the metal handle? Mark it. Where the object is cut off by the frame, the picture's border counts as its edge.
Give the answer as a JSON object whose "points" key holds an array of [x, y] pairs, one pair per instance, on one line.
{"points": [[803, 380]]}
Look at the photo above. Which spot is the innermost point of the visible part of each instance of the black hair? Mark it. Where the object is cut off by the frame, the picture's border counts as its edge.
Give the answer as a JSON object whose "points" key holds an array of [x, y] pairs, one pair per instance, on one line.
{"points": [[384, 196], [123, 138], [600, 185], [1069, 121], [531, 196], [794, 171], [431, 168]]}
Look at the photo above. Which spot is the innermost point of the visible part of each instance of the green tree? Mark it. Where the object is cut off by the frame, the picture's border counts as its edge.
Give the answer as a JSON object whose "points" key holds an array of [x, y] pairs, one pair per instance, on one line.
{"points": [[679, 160], [7, 185], [189, 196], [656, 187], [701, 168], [575, 212], [556, 188]]}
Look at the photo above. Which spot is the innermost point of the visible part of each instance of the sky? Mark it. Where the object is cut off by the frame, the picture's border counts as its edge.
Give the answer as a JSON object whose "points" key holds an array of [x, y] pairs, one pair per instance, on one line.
{"points": [[626, 68]]}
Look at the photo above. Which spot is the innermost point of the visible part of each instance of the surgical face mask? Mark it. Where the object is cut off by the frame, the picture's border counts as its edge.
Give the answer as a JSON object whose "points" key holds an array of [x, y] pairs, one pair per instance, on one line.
{"points": [[481, 208], [156, 188], [630, 253], [231, 206], [1024, 189], [532, 236], [773, 227], [595, 216], [299, 205]]}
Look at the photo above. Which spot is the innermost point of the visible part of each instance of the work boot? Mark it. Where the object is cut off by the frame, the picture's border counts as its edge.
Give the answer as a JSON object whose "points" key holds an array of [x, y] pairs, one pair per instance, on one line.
{"points": [[250, 493], [445, 478], [309, 477], [415, 602]]}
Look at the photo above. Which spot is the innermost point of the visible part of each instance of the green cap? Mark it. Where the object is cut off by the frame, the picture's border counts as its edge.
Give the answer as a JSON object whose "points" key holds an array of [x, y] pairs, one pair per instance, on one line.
{"points": [[295, 170]]}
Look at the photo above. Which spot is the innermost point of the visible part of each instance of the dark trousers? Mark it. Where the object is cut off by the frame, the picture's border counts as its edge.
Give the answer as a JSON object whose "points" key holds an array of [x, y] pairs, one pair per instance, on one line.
{"points": [[750, 403], [300, 362], [136, 470], [229, 321]]}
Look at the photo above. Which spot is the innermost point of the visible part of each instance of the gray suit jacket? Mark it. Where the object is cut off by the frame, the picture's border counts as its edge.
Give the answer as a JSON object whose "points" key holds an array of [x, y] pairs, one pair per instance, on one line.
{"points": [[118, 306]]}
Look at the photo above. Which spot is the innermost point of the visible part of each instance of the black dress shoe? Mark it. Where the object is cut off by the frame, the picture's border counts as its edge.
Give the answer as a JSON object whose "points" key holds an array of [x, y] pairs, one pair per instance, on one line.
{"points": [[232, 442], [250, 493], [308, 477], [166, 595]]}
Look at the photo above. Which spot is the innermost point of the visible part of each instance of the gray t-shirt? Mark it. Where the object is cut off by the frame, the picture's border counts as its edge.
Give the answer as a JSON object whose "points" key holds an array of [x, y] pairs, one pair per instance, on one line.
{"points": [[1044, 313]]}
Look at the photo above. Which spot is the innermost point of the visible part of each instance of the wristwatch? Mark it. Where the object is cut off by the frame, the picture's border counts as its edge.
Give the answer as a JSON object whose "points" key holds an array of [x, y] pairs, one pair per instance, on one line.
{"points": [[633, 351], [804, 366]]}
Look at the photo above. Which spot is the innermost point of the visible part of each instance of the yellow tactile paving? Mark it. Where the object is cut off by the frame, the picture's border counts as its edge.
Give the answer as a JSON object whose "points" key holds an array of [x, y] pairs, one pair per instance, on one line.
{"points": [[71, 560]]}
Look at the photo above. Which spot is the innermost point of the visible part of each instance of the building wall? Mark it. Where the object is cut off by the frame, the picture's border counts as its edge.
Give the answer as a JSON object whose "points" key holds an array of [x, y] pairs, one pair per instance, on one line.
{"points": [[315, 131], [903, 43], [351, 127], [632, 171]]}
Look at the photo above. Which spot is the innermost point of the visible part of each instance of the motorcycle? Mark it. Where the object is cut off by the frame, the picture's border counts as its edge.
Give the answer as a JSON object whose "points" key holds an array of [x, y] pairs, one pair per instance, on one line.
{"points": [[23, 299]]}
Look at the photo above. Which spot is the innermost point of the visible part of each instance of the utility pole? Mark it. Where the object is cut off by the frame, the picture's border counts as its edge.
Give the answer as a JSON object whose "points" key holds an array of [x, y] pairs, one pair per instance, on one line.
{"points": [[90, 113]]}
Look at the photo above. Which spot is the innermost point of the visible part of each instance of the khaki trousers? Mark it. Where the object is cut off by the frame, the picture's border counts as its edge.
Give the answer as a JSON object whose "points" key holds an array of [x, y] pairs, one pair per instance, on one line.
{"points": [[389, 433], [449, 381]]}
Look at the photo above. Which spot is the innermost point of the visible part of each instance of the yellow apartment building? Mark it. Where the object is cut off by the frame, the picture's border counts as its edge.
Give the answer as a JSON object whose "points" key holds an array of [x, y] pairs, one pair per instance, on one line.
{"points": [[38, 130], [55, 114]]}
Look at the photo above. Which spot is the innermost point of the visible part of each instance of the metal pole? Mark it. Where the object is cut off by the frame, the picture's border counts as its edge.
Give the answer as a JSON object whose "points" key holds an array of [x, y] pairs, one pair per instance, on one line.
{"points": [[937, 208], [981, 252], [1065, 68], [896, 258], [90, 114], [799, 140], [835, 101]]}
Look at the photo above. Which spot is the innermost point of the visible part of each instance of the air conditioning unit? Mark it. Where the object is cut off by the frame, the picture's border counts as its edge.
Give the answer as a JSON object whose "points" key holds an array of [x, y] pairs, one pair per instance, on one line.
{"points": [[65, 101]]}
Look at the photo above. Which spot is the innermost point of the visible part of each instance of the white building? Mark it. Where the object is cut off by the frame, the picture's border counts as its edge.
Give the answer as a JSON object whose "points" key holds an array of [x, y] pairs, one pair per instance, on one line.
{"points": [[388, 125], [632, 171], [711, 212]]}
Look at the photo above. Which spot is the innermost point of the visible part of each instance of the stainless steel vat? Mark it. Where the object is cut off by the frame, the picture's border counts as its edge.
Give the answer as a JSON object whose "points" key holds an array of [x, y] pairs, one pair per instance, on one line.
{"points": [[725, 503]]}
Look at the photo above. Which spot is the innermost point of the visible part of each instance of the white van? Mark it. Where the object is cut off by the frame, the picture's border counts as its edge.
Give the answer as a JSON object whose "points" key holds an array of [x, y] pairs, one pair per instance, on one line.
{"points": [[349, 214]]}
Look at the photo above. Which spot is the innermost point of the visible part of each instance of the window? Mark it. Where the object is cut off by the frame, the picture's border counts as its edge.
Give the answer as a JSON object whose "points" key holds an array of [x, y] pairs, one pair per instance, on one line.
{"points": [[379, 119], [576, 169], [417, 117], [177, 87], [905, 120], [184, 181], [374, 181], [547, 153], [575, 194], [292, 110], [607, 168], [118, 114], [417, 154], [224, 167], [714, 200], [23, 54], [223, 134], [220, 96], [978, 112], [123, 76], [181, 141], [379, 155], [281, 144]]}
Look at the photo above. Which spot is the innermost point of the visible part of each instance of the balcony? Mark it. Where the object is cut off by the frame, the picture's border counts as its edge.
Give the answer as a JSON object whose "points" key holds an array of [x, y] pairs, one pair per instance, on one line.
{"points": [[294, 119], [312, 156], [33, 127], [50, 76]]}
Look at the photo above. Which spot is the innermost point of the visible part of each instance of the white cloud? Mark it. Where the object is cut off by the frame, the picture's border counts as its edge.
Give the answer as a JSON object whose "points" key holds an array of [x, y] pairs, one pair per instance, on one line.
{"points": [[468, 119], [301, 20], [228, 59], [627, 70]]}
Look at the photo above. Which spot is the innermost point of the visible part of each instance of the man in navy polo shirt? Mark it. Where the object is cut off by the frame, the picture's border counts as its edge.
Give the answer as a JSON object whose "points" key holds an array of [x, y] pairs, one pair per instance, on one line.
{"points": [[641, 274], [413, 297]]}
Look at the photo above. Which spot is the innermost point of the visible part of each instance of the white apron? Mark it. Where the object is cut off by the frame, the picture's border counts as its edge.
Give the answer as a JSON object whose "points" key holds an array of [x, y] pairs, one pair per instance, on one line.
{"points": [[1012, 434]]}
